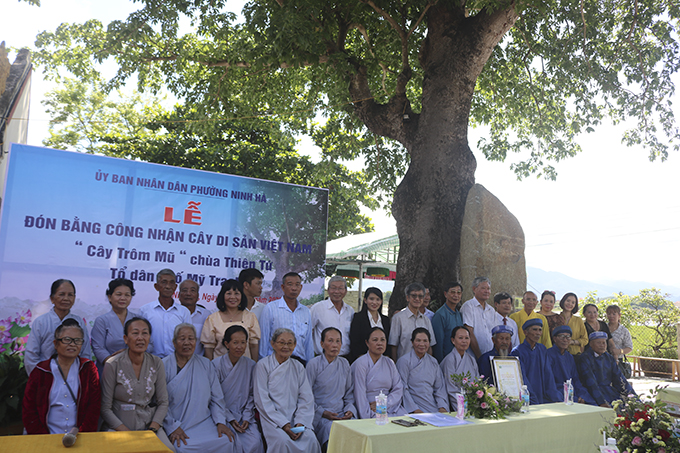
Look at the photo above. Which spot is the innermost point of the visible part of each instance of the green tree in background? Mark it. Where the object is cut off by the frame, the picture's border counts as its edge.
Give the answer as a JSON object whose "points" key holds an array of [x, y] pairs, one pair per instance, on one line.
{"points": [[650, 316], [409, 76], [85, 118]]}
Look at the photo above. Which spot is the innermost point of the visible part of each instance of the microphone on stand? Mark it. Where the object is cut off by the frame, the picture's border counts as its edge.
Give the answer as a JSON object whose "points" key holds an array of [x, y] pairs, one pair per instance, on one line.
{"points": [[70, 437]]}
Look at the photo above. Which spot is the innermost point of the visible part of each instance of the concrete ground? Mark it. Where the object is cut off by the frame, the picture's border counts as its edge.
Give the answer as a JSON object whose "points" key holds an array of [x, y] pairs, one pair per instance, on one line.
{"points": [[643, 385]]}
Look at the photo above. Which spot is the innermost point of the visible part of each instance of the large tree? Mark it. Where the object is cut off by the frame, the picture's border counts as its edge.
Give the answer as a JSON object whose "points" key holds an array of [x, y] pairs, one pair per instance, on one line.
{"points": [[85, 117], [415, 73]]}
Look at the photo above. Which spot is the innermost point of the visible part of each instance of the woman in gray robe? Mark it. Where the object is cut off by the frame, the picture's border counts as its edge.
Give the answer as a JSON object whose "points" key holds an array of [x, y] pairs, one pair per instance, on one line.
{"points": [[130, 382], [331, 381], [458, 362], [373, 372], [424, 389], [284, 398], [196, 415], [235, 372]]}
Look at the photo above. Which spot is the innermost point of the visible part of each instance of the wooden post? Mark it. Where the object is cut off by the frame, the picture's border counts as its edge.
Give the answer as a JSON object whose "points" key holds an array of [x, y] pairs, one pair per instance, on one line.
{"points": [[677, 333]]}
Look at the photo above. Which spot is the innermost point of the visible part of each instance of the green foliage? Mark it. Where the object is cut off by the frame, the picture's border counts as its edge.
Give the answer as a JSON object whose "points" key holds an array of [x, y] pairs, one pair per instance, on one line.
{"points": [[13, 379], [650, 317], [311, 300], [85, 118], [562, 69]]}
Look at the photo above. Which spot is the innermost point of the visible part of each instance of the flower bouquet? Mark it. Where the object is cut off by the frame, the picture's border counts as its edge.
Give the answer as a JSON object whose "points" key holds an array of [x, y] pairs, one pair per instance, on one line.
{"points": [[642, 427], [484, 400]]}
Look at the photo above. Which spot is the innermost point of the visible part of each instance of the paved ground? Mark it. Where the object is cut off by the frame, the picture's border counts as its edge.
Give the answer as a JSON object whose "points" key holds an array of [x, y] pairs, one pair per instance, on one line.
{"points": [[643, 385]]}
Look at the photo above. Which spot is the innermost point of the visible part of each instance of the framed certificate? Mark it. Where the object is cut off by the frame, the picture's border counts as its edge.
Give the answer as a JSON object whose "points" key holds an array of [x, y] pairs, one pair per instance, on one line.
{"points": [[507, 373]]}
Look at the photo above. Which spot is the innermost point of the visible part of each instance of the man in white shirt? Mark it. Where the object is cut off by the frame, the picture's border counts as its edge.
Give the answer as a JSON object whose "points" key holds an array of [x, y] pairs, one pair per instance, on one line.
{"points": [[165, 313], [479, 317], [503, 302], [332, 312], [188, 297], [251, 279], [405, 321]]}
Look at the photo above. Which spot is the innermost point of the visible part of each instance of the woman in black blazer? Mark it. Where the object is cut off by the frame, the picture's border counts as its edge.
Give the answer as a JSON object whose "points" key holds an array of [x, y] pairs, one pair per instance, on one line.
{"points": [[368, 317]]}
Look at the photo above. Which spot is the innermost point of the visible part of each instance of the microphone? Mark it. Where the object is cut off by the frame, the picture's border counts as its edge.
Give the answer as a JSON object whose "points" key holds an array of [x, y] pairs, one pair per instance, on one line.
{"points": [[70, 437]]}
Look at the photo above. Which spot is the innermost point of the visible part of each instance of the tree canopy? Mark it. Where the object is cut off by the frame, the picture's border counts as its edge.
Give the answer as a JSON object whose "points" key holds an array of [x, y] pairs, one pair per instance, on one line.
{"points": [[400, 83]]}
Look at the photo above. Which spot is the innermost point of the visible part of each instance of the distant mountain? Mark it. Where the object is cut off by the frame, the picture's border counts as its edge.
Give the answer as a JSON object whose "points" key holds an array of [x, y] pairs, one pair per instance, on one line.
{"points": [[539, 280]]}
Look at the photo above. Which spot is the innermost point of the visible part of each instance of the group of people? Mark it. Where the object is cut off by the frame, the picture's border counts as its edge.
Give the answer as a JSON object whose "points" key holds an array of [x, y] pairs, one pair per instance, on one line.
{"points": [[251, 376]]}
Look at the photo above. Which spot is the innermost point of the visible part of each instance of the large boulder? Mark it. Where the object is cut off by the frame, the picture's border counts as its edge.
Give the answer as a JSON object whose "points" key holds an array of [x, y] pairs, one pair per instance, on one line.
{"points": [[492, 245]]}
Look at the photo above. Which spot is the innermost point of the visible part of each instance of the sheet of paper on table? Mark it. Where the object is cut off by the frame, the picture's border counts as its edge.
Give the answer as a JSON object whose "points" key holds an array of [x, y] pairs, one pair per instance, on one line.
{"points": [[439, 419]]}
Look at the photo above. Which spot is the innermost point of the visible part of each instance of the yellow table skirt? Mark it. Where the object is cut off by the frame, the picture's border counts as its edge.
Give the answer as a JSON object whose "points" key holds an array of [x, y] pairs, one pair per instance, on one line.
{"points": [[546, 428], [105, 442]]}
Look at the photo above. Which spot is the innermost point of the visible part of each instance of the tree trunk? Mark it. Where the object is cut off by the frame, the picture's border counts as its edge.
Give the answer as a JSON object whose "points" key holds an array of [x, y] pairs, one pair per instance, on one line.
{"points": [[429, 203], [428, 206]]}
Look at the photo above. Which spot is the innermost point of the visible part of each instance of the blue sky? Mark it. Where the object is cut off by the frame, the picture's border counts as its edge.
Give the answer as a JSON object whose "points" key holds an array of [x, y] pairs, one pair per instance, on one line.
{"points": [[611, 214]]}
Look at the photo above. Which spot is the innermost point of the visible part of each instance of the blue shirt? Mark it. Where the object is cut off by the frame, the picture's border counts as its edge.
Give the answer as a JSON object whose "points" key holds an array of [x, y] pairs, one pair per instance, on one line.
{"points": [[538, 375], [163, 323], [63, 412], [107, 336], [277, 314], [601, 376], [564, 368], [443, 322]]}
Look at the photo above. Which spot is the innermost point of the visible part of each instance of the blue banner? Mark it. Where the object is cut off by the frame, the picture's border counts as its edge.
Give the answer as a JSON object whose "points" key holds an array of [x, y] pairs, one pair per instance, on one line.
{"points": [[91, 218]]}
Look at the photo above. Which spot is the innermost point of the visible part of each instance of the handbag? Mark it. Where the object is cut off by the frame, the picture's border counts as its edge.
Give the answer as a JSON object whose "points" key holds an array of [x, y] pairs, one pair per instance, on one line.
{"points": [[624, 366]]}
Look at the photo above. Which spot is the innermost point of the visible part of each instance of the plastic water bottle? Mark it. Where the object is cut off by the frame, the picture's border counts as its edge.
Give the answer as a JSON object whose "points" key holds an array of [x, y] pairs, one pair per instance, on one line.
{"points": [[568, 393], [461, 404], [381, 409], [525, 399]]}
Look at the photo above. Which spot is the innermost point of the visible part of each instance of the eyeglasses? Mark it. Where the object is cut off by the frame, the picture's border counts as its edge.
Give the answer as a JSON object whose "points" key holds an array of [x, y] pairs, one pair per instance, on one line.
{"points": [[416, 296], [69, 340], [563, 336], [290, 344]]}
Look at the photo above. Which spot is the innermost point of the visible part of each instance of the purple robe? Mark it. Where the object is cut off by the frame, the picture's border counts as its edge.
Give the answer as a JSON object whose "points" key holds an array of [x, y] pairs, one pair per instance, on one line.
{"points": [[453, 363], [333, 390], [423, 383], [237, 386], [370, 378], [196, 404], [283, 395]]}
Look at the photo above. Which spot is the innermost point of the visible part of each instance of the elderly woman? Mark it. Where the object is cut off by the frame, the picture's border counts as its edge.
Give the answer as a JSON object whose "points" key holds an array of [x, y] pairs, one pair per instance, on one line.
{"points": [[284, 398], [579, 335], [332, 385], [369, 316], [458, 361], [373, 372], [63, 392], [623, 342], [196, 414], [134, 393], [424, 389], [231, 305], [107, 332], [235, 373], [40, 344]]}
